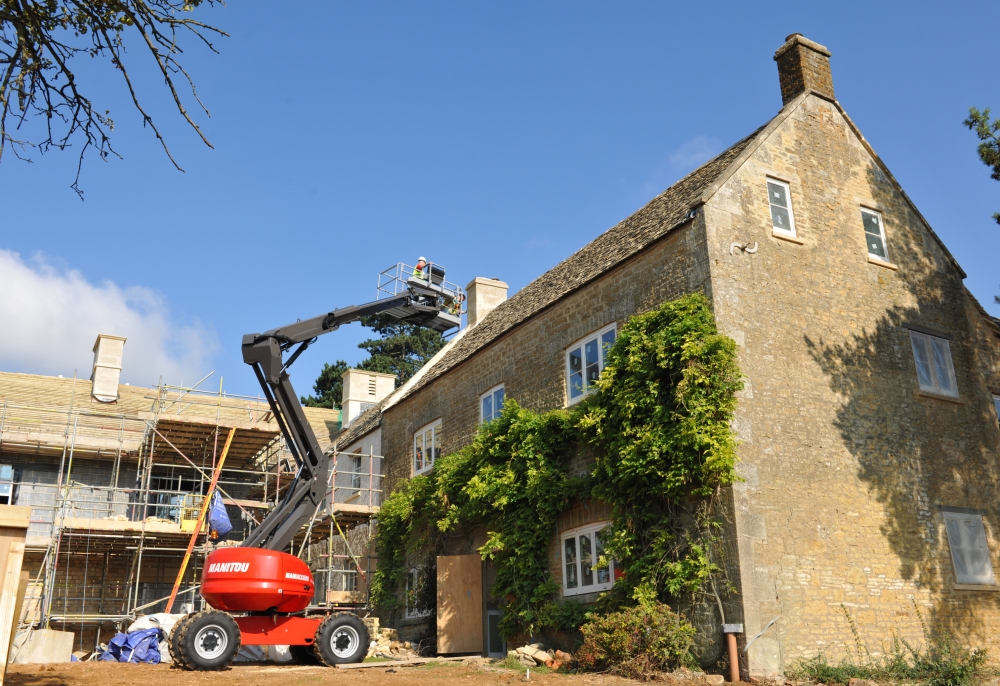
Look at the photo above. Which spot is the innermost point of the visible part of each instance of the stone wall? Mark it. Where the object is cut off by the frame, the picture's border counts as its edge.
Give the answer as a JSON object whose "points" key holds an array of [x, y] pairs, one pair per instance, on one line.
{"points": [[845, 461]]}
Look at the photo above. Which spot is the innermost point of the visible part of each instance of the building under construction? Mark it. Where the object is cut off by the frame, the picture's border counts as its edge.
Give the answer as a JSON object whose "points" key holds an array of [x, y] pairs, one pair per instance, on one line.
{"points": [[116, 477]]}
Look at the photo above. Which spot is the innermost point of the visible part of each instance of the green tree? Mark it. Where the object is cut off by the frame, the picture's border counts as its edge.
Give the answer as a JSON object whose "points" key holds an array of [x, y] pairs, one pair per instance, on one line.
{"points": [[989, 142], [39, 40], [329, 387], [400, 349]]}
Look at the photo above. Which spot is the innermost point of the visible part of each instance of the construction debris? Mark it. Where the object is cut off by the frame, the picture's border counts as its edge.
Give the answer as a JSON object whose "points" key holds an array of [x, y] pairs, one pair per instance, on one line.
{"points": [[388, 645]]}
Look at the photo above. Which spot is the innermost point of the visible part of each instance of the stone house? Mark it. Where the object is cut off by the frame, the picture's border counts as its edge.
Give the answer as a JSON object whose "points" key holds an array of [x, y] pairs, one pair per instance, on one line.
{"points": [[868, 425]]}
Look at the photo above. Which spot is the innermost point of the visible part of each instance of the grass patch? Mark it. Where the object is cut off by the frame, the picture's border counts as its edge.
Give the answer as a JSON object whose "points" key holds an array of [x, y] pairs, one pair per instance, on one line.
{"points": [[440, 663], [940, 663], [377, 659]]}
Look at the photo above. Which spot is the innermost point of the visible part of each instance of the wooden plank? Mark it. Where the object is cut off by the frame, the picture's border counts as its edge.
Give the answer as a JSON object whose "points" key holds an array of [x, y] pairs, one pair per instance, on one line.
{"points": [[460, 604], [353, 597], [15, 516], [22, 590], [11, 556], [400, 663]]}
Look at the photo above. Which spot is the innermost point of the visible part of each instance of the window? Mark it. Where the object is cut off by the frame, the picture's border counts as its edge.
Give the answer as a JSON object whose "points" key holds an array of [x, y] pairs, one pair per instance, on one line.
{"points": [[491, 404], [356, 473], [970, 554], [584, 362], [874, 235], [780, 198], [996, 406], [581, 550], [416, 582], [426, 447], [934, 368]]}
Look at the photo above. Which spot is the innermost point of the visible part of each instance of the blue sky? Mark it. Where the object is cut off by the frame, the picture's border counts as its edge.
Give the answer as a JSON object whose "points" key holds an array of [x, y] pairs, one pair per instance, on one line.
{"points": [[494, 138]]}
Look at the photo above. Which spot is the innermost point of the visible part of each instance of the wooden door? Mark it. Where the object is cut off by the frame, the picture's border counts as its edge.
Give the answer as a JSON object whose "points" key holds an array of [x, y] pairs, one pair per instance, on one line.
{"points": [[459, 604]]}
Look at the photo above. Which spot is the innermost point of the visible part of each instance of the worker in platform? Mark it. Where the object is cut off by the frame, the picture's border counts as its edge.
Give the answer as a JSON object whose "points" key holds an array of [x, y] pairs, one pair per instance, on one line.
{"points": [[455, 307], [422, 270]]}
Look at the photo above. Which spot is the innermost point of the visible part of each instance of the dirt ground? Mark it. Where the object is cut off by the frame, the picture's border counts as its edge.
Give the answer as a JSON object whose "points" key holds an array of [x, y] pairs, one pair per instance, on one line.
{"points": [[439, 674]]}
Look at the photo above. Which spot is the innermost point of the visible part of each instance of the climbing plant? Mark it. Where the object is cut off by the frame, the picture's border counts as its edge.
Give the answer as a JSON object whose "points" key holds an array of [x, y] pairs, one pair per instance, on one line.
{"points": [[660, 424], [658, 428]]}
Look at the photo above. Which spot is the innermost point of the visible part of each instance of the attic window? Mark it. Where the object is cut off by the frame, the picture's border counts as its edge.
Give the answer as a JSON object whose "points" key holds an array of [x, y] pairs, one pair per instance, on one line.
{"points": [[970, 553], [996, 406], [779, 197], [935, 371], [874, 235]]}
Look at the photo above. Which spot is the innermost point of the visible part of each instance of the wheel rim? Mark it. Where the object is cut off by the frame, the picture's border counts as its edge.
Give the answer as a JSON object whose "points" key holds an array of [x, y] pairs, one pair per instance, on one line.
{"points": [[211, 642], [345, 641]]}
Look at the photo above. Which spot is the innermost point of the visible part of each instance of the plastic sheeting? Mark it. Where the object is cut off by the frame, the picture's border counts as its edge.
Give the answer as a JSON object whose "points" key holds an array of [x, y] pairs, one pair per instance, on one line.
{"points": [[163, 620], [135, 646], [218, 518]]}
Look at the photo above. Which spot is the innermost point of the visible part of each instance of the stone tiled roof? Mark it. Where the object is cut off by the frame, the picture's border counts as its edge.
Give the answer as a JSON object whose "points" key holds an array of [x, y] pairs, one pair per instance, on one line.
{"points": [[663, 214], [363, 424]]}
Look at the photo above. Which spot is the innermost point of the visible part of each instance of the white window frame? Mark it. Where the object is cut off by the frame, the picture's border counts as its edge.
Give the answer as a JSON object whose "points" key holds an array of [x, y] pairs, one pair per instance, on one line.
{"points": [[969, 547], [492, 395], [435, 429], [412, 577], [581, 346], [791, 214], [881, 227], [591, 530], [926, 342]]}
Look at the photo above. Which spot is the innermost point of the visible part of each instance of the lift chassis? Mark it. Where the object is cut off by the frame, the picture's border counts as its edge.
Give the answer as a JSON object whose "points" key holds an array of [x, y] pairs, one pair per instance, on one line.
{"points": [[269, 591]]}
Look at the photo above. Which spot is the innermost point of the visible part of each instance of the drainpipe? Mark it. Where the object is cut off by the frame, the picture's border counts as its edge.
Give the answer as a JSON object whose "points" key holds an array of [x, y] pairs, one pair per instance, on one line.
{"points": [[730, 630]]}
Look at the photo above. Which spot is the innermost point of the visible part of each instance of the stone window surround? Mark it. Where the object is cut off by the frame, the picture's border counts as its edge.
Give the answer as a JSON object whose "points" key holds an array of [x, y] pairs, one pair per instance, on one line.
{"points": [[592, 529], [944, 510], [436, 424], [875, 259], [492, 391], [570, 400]]}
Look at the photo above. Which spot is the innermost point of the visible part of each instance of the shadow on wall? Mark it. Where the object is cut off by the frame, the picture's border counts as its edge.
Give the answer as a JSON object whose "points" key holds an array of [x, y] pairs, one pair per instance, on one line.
{"points": [[916, 453]]}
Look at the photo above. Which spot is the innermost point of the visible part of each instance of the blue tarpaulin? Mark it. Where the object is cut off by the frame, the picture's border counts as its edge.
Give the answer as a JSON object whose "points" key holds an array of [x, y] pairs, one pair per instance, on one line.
{"points": [[136, 646], [218, 518]]}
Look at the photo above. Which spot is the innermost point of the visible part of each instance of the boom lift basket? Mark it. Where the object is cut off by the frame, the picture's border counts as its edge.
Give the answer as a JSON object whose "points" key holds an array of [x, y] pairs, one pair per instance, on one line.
{"points": [[429, 286]]}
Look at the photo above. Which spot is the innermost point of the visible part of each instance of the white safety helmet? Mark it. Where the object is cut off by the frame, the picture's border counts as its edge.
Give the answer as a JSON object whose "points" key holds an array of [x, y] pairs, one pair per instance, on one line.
{"points": [[421, 259]]}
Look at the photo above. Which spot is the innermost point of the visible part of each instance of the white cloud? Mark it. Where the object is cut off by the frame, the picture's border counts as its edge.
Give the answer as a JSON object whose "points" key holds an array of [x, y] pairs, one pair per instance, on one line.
{"points": [[694, 152], [50, 318]]}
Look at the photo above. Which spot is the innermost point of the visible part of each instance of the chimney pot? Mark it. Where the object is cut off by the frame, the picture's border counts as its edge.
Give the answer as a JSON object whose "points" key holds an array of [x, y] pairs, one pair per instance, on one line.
{"points": [[362, 390], [107, 367], [484, 296], [803, 65]]}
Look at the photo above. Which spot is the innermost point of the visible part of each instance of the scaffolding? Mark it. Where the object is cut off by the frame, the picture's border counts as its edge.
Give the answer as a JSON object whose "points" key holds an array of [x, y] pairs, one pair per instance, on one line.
{"points": [[117, 496]]}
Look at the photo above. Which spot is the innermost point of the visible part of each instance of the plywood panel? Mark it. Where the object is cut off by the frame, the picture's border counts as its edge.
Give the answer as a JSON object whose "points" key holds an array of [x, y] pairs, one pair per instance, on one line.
{"points": [[460, 604], [13, 528]]}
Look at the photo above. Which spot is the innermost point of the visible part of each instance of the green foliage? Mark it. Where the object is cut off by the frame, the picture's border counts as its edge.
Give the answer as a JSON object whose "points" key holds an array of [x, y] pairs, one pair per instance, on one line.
{"points": [[988, 133], [660, 424], [329, 387], [941, 663], [400, 349], [407, 522], [637, 641]]}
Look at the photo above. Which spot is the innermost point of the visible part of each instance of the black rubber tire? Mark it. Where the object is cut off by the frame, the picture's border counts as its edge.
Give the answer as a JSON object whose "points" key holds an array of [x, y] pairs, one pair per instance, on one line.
{"points": [[199, 638], [341, 639], [172, 639], [303, 655]]}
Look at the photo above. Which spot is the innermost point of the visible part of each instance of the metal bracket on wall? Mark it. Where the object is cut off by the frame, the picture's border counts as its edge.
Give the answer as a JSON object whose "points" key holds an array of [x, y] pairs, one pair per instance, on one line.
{"points": [[745, 247]]}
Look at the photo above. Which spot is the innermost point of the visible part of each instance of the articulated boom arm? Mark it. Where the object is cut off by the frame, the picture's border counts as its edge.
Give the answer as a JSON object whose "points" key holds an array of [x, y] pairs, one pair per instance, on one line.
{"points": [[265, 353]]}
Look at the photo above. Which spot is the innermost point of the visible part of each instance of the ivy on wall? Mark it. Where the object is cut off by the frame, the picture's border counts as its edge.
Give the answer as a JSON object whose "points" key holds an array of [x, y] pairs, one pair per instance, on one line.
{"points": [[658, 427]]}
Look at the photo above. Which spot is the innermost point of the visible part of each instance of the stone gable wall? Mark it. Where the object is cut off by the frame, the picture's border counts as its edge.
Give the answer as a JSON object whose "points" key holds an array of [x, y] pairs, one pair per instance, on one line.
{"points": [[845, 461]]}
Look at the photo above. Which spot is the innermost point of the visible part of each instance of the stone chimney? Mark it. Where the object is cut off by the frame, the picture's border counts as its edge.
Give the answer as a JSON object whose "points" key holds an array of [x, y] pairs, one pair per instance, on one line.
{"points": [[484, 297], [363, 390], [107, 367], [803, 66]]}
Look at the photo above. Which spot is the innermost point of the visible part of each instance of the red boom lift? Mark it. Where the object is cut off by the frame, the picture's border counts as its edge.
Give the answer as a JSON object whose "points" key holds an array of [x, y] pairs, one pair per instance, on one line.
{"points": [[260, 595]]}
